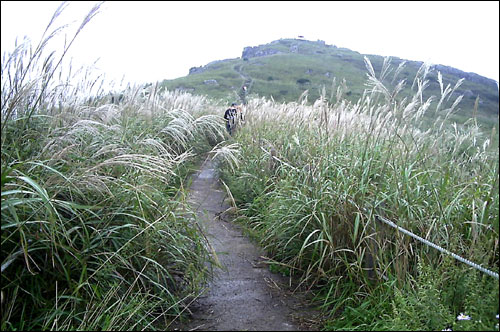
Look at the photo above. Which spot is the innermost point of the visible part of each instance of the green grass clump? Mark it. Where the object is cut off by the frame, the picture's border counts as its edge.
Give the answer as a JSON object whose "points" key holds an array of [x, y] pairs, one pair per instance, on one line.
{"points": [[313, 179], [96, 231]]}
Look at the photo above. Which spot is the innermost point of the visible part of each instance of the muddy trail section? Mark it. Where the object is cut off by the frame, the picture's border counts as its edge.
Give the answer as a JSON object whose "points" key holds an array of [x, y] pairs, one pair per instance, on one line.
{"points": [[243, 294]]}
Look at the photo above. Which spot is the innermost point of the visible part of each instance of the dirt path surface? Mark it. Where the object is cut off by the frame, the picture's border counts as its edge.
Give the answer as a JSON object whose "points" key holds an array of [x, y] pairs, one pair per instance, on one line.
{"points": [[244, 294], [247, 83]]}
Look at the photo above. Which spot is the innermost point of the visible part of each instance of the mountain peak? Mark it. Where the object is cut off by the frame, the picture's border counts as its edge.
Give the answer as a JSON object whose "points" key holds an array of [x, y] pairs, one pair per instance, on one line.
{"points": [[283, 69]]}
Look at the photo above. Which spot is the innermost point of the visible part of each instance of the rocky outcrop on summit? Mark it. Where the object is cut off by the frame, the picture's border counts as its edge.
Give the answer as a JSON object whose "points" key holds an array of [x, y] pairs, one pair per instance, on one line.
{"points": [[252, 52], [196, 70]]}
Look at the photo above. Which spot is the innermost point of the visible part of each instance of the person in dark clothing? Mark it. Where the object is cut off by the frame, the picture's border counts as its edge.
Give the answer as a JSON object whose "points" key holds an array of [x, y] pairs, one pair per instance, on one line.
{"points": [[230, 117]]}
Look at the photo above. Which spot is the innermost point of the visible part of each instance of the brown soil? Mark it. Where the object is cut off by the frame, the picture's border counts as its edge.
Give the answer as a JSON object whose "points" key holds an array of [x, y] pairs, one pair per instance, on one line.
{"points": [[243, 294]]}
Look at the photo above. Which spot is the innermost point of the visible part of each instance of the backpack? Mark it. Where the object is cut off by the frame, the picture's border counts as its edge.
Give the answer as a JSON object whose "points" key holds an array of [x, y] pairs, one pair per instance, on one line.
{"points": [[229, 114]]}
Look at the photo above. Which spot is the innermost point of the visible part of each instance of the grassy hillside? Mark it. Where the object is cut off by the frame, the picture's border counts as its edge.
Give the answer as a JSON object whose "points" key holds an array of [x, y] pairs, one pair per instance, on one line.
{"points": [[285, 68]]}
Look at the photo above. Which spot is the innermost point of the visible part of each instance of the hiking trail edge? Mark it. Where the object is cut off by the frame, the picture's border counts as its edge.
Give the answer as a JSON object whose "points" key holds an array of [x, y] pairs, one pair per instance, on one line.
{"points": [[244, 294]]}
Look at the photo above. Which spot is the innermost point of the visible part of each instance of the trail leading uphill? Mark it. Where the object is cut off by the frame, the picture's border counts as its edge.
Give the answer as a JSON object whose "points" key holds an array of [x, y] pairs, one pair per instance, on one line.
{"points": [[244, 294], [246, 86]]}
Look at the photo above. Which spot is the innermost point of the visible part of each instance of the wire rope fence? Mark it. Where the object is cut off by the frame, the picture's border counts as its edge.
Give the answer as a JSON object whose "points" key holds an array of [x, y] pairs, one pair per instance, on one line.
{"points": [[435, 246]]}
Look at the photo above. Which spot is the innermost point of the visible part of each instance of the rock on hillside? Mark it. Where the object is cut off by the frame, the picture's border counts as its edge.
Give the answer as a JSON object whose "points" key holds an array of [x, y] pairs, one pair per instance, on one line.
{"points": [[251, 52]]}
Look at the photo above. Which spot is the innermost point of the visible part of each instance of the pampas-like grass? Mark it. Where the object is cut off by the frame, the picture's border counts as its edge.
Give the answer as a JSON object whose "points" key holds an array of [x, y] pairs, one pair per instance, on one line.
{"points": [[94, 220], [343, 163]]}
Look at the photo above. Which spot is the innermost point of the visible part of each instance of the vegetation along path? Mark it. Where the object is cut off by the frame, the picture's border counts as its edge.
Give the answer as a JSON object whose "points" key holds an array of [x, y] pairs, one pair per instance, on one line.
{"points": [[243, 294]]}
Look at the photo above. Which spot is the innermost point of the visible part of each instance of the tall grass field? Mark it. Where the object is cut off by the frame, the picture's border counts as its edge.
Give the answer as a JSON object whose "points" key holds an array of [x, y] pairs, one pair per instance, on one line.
{"points": [[97, 233], [315, 183]]}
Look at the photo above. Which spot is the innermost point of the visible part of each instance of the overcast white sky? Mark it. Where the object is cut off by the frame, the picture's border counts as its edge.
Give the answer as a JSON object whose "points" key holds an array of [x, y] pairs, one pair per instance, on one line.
{"points": [[150, 41]]}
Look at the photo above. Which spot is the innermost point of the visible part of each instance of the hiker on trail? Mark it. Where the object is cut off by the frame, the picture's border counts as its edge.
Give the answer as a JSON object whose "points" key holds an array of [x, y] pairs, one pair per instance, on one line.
{"points": [[239, 114], [243, 94], [233, 117], [230, 117]]}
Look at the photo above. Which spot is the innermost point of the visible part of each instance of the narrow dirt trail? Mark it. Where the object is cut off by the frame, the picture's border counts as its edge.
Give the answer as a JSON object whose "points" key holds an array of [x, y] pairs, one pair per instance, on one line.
{"points": [[247, 82], [244, 294]]}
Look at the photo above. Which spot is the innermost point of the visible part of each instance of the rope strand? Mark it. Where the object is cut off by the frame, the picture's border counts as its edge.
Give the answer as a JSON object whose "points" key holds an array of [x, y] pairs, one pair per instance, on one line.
{"points": [[435, 246]]}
